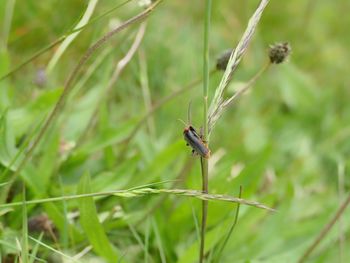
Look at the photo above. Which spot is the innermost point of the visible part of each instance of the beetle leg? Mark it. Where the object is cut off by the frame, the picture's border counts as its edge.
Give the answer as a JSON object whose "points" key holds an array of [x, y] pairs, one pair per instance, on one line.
{"points": [[201, 136]]}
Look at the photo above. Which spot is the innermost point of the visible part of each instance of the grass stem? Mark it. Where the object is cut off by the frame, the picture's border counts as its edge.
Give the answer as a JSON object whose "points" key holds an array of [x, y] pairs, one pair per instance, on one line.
{"points": [[325, 230], [204, 162]]}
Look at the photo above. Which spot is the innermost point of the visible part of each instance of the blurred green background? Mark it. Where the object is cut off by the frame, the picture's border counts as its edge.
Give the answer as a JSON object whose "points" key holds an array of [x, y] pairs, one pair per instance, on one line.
{"points": [[285, 142]]}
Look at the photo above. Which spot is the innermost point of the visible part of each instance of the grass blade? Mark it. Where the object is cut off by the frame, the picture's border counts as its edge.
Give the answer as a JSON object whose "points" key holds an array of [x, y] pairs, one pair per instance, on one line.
{"points": [[24, 245], [65, 44], [91, 224], [53, 250]]}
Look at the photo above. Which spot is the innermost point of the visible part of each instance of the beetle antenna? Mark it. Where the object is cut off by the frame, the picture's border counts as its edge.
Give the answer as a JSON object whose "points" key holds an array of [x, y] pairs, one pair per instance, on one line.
{"points": [[182, 122], [189, 112]]}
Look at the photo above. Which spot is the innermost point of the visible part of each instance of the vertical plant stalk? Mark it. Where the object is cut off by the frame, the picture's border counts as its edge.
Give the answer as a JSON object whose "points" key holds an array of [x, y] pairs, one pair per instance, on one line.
{"points": [[146, 94], [204, 168], [68, 85], [325, 230], [204, 162], [341, 183], [24, 248], [221, 249], [7, 22]]}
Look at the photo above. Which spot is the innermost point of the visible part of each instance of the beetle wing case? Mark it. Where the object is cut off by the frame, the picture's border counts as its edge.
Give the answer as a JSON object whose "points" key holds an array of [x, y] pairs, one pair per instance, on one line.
{"points": [[195, 141]]}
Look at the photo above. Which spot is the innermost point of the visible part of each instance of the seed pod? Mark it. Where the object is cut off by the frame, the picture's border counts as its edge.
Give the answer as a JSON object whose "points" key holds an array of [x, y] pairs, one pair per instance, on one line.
{"points": [[41, 223], [279, 52], [221, 62]]}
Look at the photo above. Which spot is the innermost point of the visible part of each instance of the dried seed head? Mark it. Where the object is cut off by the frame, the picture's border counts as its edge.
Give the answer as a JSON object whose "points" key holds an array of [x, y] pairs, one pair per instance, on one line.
{"points": [[279, 52], [41, 223], [222, 60]]}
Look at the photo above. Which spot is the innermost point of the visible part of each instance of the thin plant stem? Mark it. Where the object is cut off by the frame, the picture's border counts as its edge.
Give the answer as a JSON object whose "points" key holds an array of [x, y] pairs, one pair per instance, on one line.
{"points": [[231, 228], [325, 230], [204, 161], [7, 22], [204, 168], [25, 246], [247, 86], [341, 179], [159, 241], [68, 86], [53, 250], [146, 94], [147, 235], [33, 57]]}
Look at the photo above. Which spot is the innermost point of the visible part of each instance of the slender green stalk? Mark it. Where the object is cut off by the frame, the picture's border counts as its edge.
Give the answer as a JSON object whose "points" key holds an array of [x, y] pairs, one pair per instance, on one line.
{"points": [[53, 250], [204, 168], [325, 230], [146, 94], [33, 57], [204, 162], [159, 241], [341, 189], [221, 249], [24, 248], [7, 22]]}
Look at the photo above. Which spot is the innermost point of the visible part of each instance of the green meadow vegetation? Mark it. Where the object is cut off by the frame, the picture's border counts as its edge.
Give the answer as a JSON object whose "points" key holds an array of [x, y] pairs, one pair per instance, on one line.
{"points": [[97, 97]]}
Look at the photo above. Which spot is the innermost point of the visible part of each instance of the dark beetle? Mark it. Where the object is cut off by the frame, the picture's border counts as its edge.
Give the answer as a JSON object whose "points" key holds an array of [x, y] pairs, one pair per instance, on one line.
{"points": [[196, 142]]}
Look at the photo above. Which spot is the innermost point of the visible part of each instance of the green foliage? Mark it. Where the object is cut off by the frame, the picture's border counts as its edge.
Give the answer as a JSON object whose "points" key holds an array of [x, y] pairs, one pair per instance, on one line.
{"points": [[284, 141]]}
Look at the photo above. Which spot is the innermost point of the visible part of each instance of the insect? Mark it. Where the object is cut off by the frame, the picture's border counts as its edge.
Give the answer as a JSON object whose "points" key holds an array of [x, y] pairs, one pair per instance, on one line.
{"points": [[196, 142], [193, 139]]}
